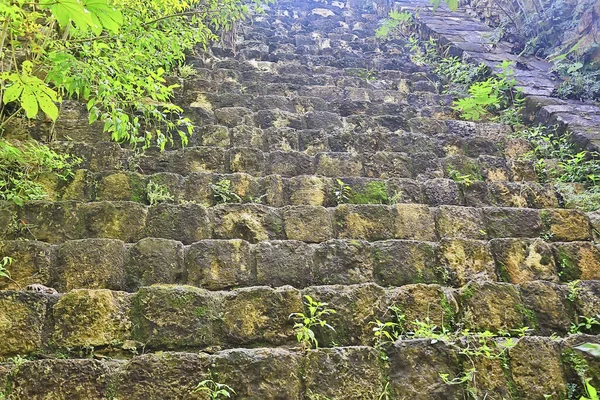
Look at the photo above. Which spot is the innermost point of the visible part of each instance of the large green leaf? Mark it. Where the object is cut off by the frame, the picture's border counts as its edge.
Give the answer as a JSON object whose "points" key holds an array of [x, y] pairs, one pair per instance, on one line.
{"points": [[590, 348], [104, 15], [66, 11], [29, 102]]}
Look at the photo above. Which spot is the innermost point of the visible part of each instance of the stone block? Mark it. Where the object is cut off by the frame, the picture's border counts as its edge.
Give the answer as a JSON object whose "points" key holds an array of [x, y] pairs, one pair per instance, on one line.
{"points": [[367, 221], [413, 222], [307, 223], [290, 163], [343, 262], [32, 263], [536, 368], [90, 264], [121, 186], [512, 222], [153, 260], [260, 315], [86, 318], [114, 220], [195, 159], [577, 260], [251, 222], [493, 307], [220, 264], [384, 165], [549, 302], [402, 262], [197, 188], [355, 306], [233, 116], [460, 222], [464, 260], [415, 368], [259, 373], [424, 303], [404, 191], [564, 225], [286, 262], [306, 190], [63, 379], [248, 160], [328, 372], [186, 223], [524, 260], [338, 164], [48, 222], [441, 191], [176, 317], [282, 139], [22, 322], [162, 376]]}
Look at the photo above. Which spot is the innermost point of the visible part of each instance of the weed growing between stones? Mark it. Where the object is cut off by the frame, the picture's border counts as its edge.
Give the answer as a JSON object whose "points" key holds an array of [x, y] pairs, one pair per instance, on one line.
{"points": [[373, 193], [214, 390], [223, 193], [304, 323], [156, 193]]}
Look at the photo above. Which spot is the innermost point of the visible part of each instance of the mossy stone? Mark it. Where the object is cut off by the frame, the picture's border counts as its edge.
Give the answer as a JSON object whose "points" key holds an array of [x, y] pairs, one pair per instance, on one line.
{"points": [[91, 318], [251, 222], [32, 263], [307, 223], [153, 260], [343, 262], [460, 222], [493, 307], [114, 220], [22, 322], [186, 223], [402, 262], [368, 222], [524, 260], [413, 222], [464, 260]]}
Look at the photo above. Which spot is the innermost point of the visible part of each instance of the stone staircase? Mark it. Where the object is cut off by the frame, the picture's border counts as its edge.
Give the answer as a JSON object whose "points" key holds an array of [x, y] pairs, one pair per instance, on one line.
{"points": [[155, 298]]}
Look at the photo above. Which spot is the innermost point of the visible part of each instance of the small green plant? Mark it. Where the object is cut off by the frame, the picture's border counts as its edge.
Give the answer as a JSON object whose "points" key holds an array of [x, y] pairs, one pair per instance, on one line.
{"points": [[464, 179], [23, 164], [5, 262], [388, 331], [590, 391], [186, 70], [574, 290], [214, 390], [223, 193], [342, 192], [306, 322], [391, 24], [156, 193], [585, 325]]}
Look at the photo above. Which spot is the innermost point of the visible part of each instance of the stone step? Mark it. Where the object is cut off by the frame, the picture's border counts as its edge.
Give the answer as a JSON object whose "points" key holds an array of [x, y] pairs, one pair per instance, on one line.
{"points": [[106, 156], [56, 222], [165, 317], [279, 191], [218, 264], [410, 368]]}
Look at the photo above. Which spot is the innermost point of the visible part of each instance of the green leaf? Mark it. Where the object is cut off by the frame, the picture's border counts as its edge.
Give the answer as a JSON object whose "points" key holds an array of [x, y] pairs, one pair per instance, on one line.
{"points": [[452, 4], [104, 15], [29, 102], [70, 10], [590, 348], [13, 92], [47, 105]]}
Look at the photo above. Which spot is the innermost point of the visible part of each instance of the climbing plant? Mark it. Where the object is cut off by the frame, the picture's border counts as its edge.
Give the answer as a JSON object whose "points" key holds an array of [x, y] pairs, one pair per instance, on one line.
{"points": [[115, 55]]}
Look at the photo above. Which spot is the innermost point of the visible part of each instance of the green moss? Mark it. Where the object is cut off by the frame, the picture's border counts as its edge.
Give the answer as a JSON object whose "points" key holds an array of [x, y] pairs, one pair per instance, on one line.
{"points": [[529, 315], [200, 311], [567, 268], [577, 362], [373, 193], [448, 311], [467, 292], [503, 272]]}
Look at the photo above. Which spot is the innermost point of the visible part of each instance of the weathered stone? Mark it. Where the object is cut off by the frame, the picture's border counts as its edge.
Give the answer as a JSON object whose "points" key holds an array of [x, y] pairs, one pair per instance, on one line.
{"points": [[306, 190], [32, 262], [460, 222], [177, 317], [259, 373], [251, 222], [522, 260], [290, 163], [536, 368], [186, 223], [57, 379], [493, 307], [338, 164], [366, 221], [233, 116], [172, 184], [415, 368], [441, 191], [402, 262], [343, 262], [587, 298], [413, 222], [512, 222], [248, 160], [552, 309], [197, 188], [577, 260], [260, 315], [91, 318], [284, 139], [91, 264], [404, 191], [217, 135], [244, 135], [384, 165], [163, 376], [22, 322], [49, 222], [307, 223], [195, 159], [424, 303], [220, 264], [566, 225], [153, 260], [79, 187], [285, 262], [121, 186], [114, 220], [464, 260], [350, 372]]}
